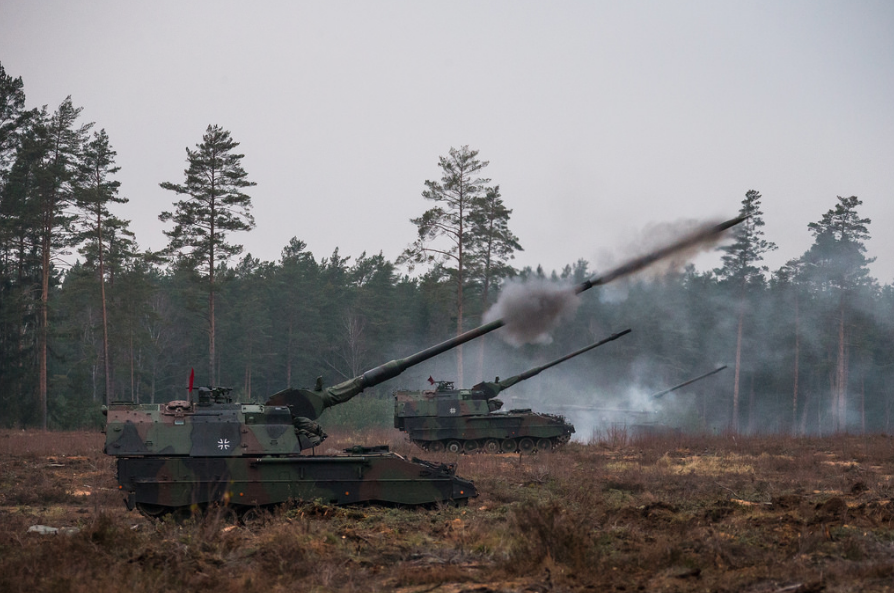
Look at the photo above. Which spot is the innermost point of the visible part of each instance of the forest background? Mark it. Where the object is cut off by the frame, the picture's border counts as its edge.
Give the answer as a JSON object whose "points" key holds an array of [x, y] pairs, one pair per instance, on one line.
{"points": [[86, 317]]}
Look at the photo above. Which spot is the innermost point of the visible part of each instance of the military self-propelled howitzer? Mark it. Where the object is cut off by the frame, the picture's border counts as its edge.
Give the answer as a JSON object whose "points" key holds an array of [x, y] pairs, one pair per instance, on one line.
{"points": [[182, 456], [470, 420]]}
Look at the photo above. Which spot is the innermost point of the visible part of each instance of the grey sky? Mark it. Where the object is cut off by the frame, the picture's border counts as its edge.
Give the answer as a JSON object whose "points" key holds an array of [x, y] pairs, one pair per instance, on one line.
{"points": [[597, 117]]}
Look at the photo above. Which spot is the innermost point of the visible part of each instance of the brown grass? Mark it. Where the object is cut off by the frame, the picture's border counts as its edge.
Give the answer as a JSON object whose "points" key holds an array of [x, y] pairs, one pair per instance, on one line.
{"points": [[659, 513]]}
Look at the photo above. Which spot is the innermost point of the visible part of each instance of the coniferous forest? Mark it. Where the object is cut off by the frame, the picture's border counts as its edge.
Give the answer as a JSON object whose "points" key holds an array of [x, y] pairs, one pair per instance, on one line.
{"points": [[87, 316]]}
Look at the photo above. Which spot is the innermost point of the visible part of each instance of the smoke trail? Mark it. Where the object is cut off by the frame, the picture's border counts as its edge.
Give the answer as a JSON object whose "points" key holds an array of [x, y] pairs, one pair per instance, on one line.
{"points": [[699, 237], [531, 309], [658, 234]]}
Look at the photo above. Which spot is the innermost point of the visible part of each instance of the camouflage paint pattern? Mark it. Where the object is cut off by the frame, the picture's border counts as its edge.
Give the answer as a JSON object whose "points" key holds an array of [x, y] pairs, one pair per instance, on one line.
{"points": [[182, 428], [185, 455]]}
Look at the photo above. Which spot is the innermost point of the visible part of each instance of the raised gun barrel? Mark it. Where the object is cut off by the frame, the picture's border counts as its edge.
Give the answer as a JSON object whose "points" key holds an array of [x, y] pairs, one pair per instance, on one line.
{"points": [[689, 382], [310, 403], [493, 388]]}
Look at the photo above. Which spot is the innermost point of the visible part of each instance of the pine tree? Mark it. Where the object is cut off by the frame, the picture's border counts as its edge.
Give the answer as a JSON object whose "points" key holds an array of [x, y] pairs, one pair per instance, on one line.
{"points": [[14, 118], [56, 188], [457, 197], [18, 251], [216, 206], [248, 324], [836, 263], [99, 228], [335, 287], [366, 330], [492, 246], [297, 319], [787, 280], [741, 270]]}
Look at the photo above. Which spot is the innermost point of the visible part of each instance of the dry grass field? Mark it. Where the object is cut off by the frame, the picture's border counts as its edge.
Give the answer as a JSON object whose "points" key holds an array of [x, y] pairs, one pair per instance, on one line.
{"points": [[676, 513]]}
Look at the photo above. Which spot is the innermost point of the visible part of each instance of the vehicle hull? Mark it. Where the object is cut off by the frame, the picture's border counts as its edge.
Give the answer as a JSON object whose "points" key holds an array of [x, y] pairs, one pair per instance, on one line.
{"points": [[168, 484], [474, 433]]}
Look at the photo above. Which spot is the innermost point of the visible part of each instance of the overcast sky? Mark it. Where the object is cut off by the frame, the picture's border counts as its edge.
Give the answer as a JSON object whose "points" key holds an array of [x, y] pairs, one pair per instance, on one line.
{"points": [[597, 118]]}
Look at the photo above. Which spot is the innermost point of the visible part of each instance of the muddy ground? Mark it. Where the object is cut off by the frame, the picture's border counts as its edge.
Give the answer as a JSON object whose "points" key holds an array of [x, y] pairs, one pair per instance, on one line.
{"points": [[675, 513]]}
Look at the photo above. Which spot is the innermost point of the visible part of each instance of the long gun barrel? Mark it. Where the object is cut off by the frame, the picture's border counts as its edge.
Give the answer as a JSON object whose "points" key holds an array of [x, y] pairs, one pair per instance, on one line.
{"points": [[494, 388], [310, 404], [685, 383]]}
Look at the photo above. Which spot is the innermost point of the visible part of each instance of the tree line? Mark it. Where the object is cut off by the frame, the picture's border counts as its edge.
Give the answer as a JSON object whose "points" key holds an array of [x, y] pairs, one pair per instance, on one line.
{"points": [[87, 317]]}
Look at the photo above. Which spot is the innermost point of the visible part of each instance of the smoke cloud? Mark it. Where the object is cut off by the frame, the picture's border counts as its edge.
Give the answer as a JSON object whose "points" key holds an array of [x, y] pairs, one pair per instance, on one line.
{"points": [[532, 309]]}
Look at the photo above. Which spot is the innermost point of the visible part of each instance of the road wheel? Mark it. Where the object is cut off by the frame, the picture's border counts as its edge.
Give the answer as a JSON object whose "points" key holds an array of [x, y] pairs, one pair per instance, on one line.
{"points": [[152, 511], [491, 446], [470, 446], [544, 445], [256, 515], [454, 447], [184, 514], [526, 445], [436, 447], [509, 446], [223, 513]]}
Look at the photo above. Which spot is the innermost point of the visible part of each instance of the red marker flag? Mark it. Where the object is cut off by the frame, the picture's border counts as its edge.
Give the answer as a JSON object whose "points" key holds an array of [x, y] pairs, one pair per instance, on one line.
{"points": [[192, 376], [430, 380]]}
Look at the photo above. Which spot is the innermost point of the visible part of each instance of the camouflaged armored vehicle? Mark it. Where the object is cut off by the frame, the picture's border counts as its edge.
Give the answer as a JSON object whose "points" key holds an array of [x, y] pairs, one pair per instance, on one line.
{"points": [[182, 456], [469, 420]]}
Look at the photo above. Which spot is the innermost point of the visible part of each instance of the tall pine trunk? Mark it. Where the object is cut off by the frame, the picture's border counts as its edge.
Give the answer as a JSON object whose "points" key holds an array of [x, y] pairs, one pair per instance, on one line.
{"points": [[289, 356], [863, 403], [152, 384], [211, 377], [484, 297], [49, 215], [805, 408], [247, 385], [735, 423], [133, 393], [459, 298], [105, 317], [797, 362], [44, 325], [459, 330], [751, 403], [841, 375], [482, 339]]}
